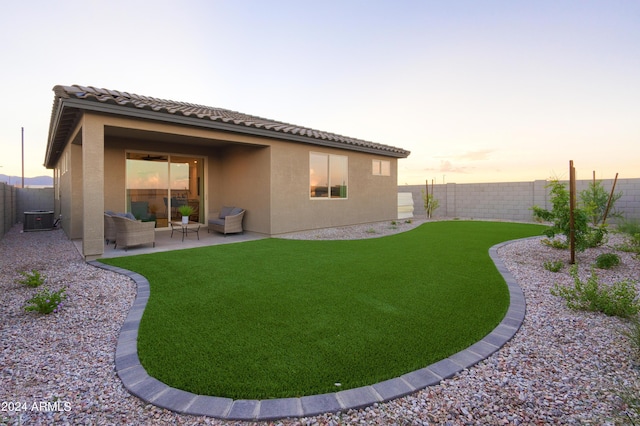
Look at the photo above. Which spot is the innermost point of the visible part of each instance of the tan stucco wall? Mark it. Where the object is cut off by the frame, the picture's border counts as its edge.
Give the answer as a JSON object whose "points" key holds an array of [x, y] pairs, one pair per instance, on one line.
{"points": [[92, 186], [370, 198], [245, 182]]}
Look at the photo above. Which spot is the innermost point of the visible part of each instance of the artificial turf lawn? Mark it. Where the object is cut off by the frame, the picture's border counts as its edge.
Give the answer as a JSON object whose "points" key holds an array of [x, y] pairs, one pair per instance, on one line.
{"points": [[278, 318]]}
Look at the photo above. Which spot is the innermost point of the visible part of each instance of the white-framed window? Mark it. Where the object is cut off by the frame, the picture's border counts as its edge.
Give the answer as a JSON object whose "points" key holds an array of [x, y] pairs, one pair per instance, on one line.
{"points": [[381, 167], [328, 175]]}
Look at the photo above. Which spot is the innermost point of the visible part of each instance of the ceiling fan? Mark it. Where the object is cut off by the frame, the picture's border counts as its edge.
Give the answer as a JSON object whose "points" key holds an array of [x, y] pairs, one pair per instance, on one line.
{"points": [[153, 158]]}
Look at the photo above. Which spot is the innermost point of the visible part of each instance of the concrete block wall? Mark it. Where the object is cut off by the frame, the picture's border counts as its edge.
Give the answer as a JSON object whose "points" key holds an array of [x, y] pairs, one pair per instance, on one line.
{"points": [[511, 200], [7, 207], [30, 199], [15, 201]]}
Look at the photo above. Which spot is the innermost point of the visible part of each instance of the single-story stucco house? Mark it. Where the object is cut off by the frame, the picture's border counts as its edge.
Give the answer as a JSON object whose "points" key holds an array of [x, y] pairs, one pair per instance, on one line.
{"points": [[119, 151]]}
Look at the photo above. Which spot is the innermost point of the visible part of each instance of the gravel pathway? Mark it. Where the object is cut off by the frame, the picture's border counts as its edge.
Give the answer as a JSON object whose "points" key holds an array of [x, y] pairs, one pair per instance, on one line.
{"points": [[563, 366]]}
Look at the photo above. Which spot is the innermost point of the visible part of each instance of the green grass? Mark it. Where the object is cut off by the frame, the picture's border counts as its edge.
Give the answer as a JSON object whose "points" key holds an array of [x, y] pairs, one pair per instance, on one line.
{"points": [[284, 318]]}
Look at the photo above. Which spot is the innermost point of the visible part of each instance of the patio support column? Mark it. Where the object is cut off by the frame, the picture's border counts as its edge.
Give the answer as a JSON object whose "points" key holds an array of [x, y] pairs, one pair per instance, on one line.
{"points": [[92, 187]]}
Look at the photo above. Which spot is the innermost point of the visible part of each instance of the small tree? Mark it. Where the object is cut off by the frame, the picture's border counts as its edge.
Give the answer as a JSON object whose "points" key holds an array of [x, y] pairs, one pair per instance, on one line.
{"points": [[585, 235], [594, 201], [430, 204]]}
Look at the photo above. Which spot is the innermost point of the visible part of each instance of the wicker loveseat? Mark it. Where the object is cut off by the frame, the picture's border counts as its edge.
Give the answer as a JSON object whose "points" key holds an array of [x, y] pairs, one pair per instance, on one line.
{"points": [[228, 221], [132, 232]]}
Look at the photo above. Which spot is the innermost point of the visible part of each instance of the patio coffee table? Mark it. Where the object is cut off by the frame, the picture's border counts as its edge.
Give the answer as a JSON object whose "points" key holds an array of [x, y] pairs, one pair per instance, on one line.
{"points": [[185, 228]]}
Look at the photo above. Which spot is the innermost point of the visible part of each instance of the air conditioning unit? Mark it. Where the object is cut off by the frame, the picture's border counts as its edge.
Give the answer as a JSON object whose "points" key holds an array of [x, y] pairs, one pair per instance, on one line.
{"points": [[38, 220]]}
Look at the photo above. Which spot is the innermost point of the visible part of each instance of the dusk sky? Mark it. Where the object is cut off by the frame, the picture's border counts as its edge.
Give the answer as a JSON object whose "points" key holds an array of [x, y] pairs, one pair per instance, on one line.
{"points": [[478, 91]]}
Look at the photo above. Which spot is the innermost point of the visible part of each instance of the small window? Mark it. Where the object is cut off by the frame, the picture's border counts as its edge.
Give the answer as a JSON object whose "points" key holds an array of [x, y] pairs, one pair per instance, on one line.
{"points": [[381, 168], [328, 176]]}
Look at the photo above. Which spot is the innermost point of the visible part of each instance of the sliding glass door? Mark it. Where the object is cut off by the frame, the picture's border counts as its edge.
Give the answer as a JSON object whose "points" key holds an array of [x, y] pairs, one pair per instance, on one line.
{"points": [[158, 184]]}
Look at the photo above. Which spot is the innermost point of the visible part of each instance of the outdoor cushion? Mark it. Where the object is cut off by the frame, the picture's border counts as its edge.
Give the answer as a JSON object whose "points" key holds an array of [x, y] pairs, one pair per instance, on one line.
{"points": [[226, 211], [128, 215], [228, 221]]}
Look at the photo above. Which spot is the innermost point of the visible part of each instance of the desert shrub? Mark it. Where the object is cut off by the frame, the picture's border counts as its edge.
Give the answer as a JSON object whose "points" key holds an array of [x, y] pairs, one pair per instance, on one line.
{"points": [[46, 301], [631, 230], [31, 279], [629, 226], [633, 333], [556, 243], [607, 260], [629, 409], [430, 204], [553, 266], [618, 299]]}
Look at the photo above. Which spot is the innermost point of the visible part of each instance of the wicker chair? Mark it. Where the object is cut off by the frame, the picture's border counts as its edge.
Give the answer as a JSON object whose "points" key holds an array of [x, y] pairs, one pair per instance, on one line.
{"points": [[228, 221], [109, 229], [132, 233]]}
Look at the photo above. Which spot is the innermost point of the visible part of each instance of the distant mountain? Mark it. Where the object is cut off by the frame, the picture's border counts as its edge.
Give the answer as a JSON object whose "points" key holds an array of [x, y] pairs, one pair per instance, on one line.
{"points": [[28, 181]]}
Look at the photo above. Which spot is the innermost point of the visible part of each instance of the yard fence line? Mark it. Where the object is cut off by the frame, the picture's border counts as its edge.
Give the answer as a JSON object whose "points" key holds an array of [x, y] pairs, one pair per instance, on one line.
{"points": [[15, 201], [511, 200]]}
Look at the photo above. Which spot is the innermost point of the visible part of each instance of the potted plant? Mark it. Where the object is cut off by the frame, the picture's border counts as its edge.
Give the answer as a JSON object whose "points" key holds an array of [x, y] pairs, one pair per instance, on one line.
{"points": [[186, 211]]}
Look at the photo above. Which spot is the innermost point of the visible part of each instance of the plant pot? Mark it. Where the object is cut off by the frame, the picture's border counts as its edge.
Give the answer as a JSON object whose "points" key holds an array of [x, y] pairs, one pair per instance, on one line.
{"points": [[185, 219]]}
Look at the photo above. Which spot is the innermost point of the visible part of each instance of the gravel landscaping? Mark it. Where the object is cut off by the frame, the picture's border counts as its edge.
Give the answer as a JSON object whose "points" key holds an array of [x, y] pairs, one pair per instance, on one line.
{"points": [[562, 367]]}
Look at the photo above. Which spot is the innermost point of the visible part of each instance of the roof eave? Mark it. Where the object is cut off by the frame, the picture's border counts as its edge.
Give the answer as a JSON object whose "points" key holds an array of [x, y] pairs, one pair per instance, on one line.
{"points": [[57, 113], [204, 123]]}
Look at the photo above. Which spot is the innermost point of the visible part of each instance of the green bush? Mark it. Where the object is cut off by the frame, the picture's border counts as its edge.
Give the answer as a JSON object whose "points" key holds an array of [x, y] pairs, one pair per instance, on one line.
{"points": [[629, 409], [31, 279], [594, 201], [553, 266], [46, 301], [585, 236], [631, 229], [629, 226], [556, 244], [607, 260], [618, 299], [634, 337]]}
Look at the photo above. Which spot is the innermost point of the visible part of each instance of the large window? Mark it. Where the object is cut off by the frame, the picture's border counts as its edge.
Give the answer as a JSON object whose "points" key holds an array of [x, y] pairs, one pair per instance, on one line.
{"points": [[158, 184], [328, 175]]}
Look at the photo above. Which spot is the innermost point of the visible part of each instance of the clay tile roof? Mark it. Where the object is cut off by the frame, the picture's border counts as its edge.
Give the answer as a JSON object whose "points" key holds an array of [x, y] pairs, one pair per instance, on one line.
{"points": [[129, 102]]}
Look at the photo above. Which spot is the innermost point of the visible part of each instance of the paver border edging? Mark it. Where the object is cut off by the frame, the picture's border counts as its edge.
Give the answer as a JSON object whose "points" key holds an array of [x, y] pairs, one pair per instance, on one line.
{"points": [[139, 383]]}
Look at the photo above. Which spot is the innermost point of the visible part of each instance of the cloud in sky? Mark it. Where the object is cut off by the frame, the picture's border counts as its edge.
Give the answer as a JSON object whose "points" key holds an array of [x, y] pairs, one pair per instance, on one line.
{"points": [[447, 167], [539, 83], [479, 155]]}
